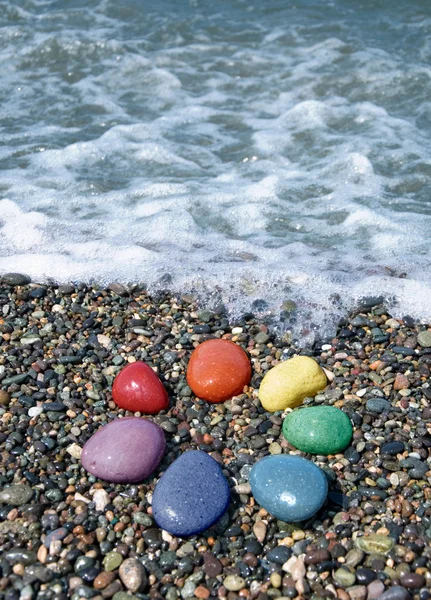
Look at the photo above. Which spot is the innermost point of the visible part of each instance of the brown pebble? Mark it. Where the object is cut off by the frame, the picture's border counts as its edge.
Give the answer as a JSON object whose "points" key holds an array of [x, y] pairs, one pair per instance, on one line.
{"points": [[4, 398], [212, 566], [122, 549], [78, 530], [375, 590], [314, 557], [202, 592], [412, 580], [112, 589], [74, 582], [250, 559], [401, 382], [42, 554], [357, 592], [406, 508], [103, 580], [88, 538]]}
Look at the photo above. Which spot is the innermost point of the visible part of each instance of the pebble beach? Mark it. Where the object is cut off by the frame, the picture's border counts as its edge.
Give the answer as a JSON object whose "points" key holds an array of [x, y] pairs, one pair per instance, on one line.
{"points": [[66, 534]]}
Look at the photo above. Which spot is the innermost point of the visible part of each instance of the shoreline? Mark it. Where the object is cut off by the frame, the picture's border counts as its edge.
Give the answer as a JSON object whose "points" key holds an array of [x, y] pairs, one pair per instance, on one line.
{"points": [[63, 345]]}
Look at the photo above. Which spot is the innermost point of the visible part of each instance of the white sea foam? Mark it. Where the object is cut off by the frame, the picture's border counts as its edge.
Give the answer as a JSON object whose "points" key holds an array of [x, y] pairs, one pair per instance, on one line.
{"points": [[253, 153]]}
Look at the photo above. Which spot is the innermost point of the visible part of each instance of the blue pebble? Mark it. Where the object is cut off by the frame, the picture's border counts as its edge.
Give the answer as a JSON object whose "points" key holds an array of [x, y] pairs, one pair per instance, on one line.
{"points": [[191, 495], [56, 535], [289, 487]]}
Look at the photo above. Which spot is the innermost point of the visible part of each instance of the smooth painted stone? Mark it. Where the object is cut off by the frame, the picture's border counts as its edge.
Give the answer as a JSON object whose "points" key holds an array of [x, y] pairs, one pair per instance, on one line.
{"points": [[218, 370], [124, 451], [191, 495], [318, 429], [138, 389], [289, 487], [288, 383]]}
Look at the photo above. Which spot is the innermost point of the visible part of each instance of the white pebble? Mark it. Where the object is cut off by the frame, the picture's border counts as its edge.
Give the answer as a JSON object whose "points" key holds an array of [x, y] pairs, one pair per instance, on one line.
{"points": [[394, 479], [101, 499], [35, 411], [392, 323], [259, 530], [298, 569], [74, 450], [326, 347], [55, 547], [243, 488], [166, 537], [287, 567], [237, 330], [103, 340], [361, 393], [329, 374], [82, 498]]}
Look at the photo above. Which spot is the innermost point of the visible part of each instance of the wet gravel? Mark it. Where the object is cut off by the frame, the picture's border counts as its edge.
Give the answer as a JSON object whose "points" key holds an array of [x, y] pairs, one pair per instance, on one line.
{"points": [[65, 534]]}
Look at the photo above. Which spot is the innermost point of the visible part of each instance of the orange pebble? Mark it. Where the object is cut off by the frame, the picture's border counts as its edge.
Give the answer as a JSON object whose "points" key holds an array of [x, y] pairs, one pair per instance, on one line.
{"points": [[218, 370]]}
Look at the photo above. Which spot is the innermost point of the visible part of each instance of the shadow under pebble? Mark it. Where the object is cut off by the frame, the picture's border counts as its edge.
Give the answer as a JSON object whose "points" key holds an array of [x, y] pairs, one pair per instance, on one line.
{"points": [[65, 534]]}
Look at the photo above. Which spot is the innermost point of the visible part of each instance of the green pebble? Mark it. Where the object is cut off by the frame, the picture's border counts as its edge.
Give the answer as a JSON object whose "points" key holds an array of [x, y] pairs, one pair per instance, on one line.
{"points": [[275, 448], [261, 338], [168, 558], [171, 594], [318, 429], [54, 495], [354, 557], [344, 577], [112, 561], [375, 378], [142, 518], [15, 495], [234, 583], [123, 596], [424, 339], [15, 379], [375, 544]]}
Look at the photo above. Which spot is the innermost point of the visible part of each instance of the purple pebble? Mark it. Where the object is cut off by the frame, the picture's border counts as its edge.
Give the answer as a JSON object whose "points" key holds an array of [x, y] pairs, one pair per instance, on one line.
{"points": [[124, 451]]}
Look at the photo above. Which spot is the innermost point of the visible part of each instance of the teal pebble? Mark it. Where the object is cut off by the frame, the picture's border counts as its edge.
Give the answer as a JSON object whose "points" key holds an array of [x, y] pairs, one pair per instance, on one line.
{"points": [[289, 487], [318, 429]]}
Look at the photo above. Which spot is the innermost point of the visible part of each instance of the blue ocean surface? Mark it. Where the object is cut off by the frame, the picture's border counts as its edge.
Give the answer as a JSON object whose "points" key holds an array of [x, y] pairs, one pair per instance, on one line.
{"points": [[264, 154]]}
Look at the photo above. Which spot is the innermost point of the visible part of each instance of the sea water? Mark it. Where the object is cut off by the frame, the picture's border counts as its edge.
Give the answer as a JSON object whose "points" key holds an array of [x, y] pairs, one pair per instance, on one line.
{"points": [[270, 155]]}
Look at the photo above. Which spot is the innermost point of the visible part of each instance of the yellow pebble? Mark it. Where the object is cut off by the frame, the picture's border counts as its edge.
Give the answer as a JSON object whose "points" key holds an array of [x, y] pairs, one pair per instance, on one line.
{"points": [[288, 383], [275, 580]]}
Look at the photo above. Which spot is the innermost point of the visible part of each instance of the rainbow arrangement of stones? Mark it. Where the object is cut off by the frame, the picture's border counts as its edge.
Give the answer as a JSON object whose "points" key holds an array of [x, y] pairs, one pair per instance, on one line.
{"points": [[193, 493]]}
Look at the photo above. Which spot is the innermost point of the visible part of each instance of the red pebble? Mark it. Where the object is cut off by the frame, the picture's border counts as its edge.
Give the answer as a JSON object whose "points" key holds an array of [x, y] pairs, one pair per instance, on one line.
{"points": [[218, 370], [138, 389]]}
